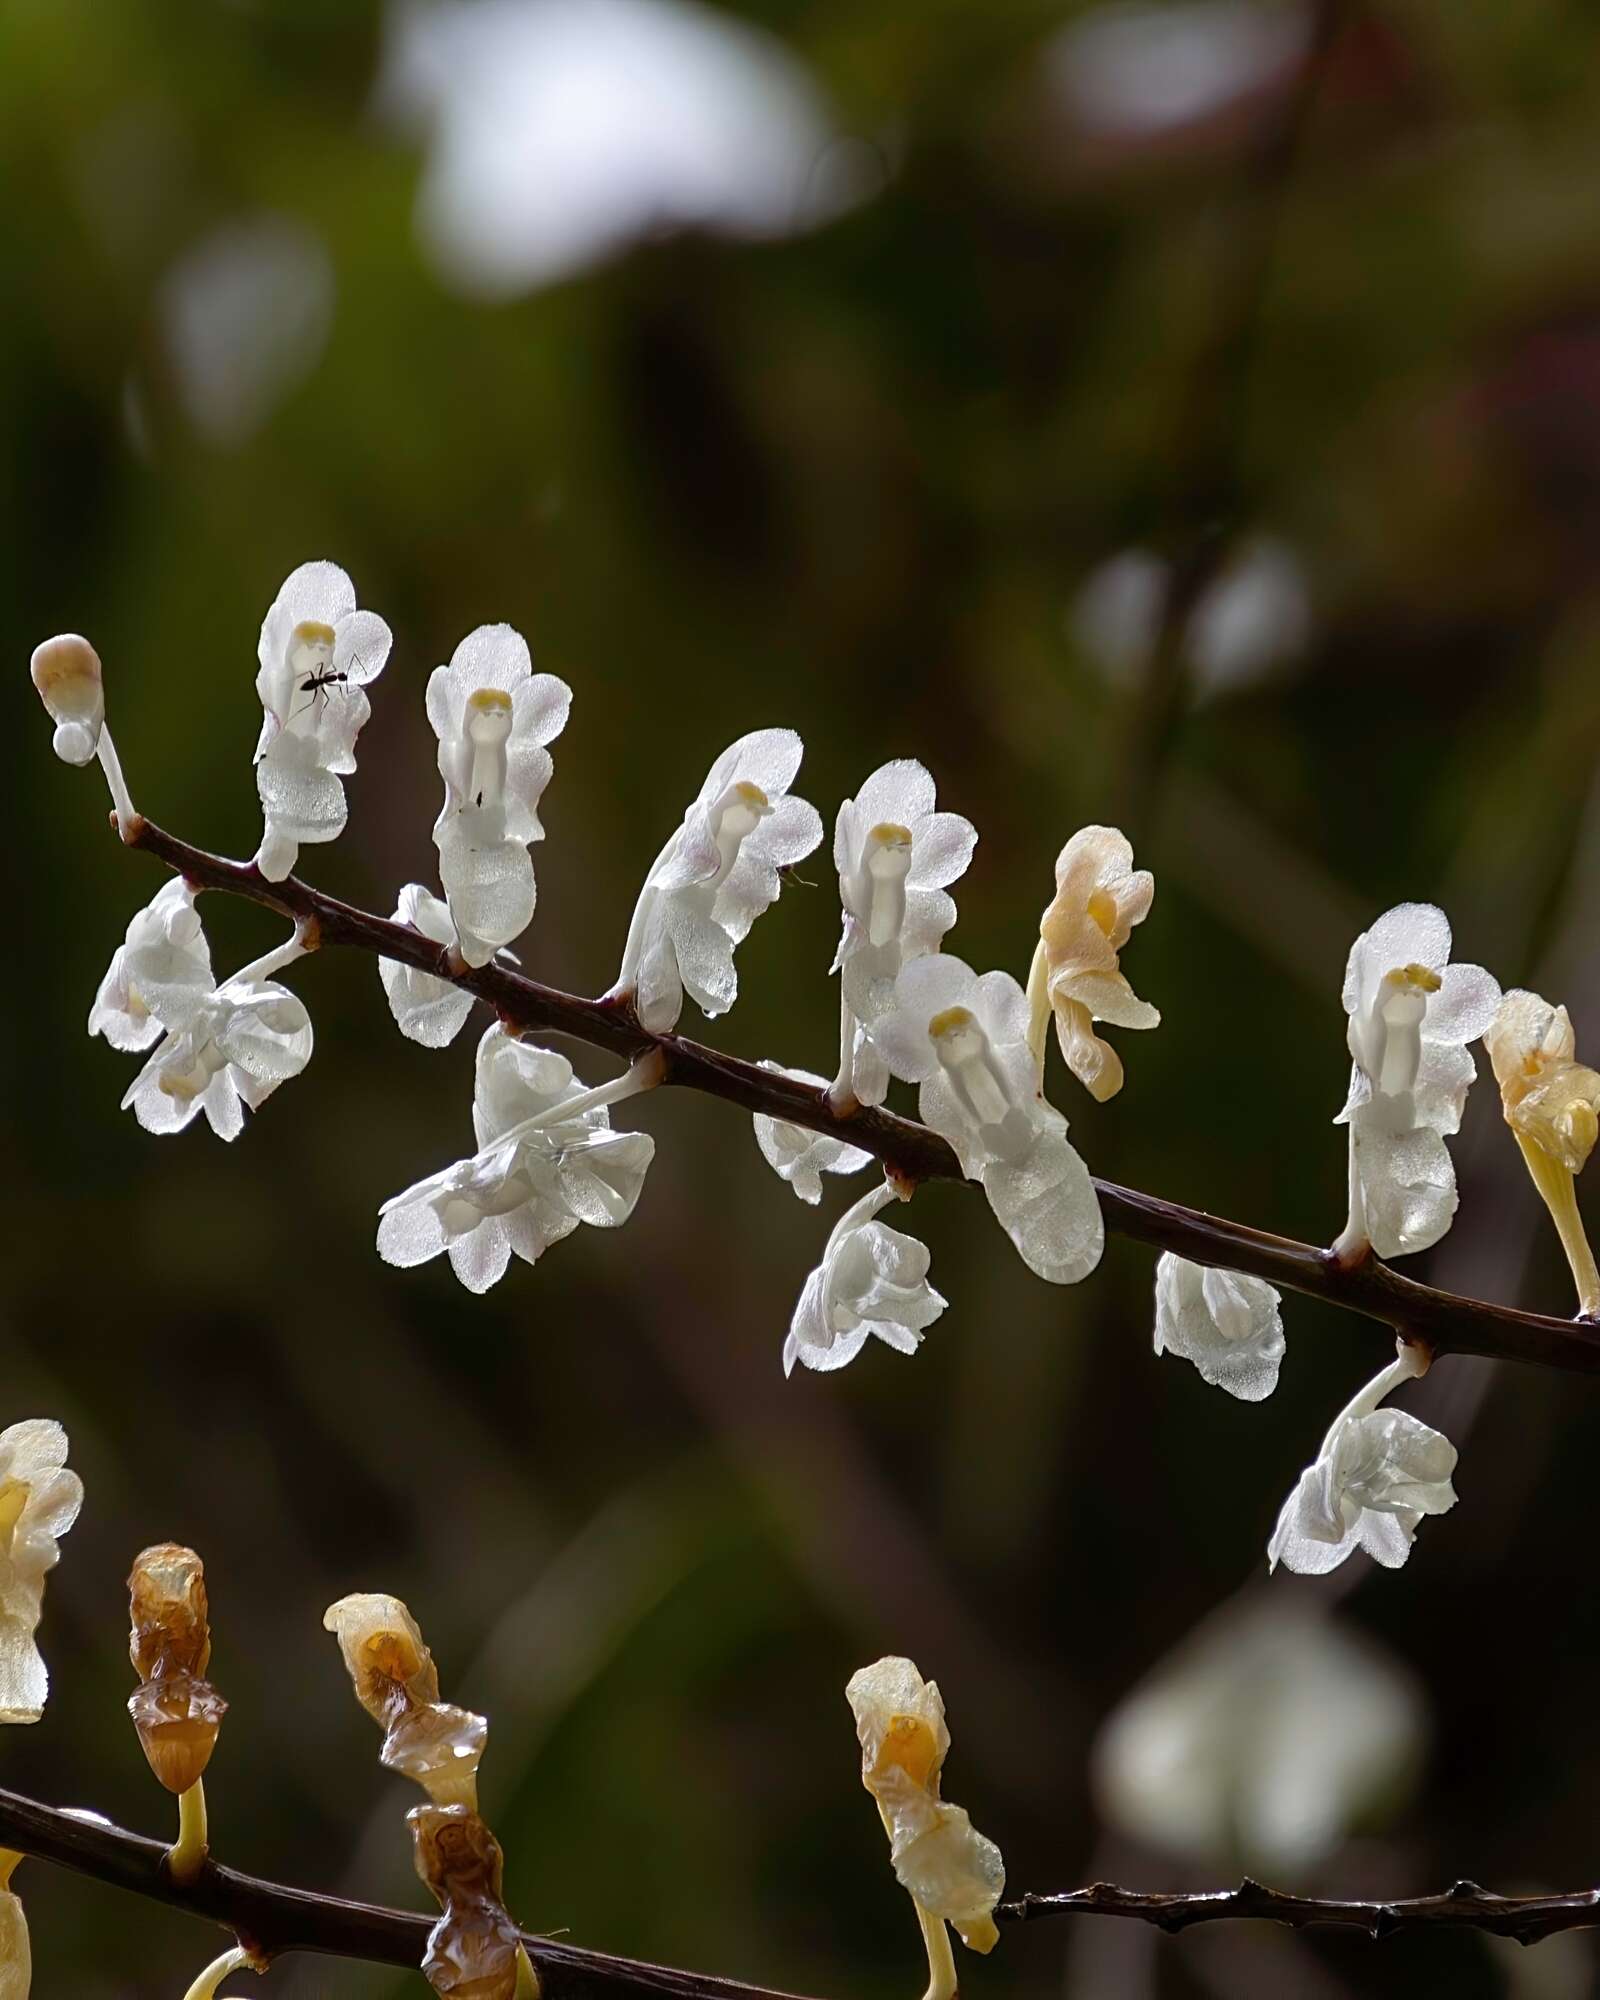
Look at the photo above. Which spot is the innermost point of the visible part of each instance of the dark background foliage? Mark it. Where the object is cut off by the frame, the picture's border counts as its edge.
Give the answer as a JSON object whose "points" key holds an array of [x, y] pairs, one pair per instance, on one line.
{"points": [[854, 479]]}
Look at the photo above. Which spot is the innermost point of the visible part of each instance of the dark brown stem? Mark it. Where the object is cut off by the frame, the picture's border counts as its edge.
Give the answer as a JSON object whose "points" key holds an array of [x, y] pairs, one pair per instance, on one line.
{"points": [[909, 1151], [1462, 1907], [272, 1920]]}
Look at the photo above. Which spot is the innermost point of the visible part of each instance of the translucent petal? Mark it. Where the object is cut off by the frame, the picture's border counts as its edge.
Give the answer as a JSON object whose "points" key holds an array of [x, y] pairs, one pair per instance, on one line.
{"points": [[1464, 1006], [898, 793], [799, 1156], [16, 1956], [941, 848], [769, 758], [487, 879], [361, 643], [951, 1869], [479, 1258], [602, 1176], [1227, 1324], [1408, 1187], [1409, 934], [1047, 1205]]}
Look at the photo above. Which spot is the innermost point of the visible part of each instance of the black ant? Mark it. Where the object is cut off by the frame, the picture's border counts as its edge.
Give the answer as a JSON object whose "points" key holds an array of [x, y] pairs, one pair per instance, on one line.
{"points": [[317, 685]]}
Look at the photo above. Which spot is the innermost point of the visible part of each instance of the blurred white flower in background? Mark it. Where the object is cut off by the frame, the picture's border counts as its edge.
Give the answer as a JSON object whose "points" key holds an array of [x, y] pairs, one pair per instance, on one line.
{"points": [[1140, 72], [245, 314], [560, 131], [1253, 620], [1261, 1741]]}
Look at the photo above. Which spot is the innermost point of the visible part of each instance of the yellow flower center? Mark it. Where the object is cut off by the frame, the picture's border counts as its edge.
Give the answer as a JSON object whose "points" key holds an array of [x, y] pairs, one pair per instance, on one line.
{"points": [[13, 1498], [489, 701], [950, 1022], [1103, 910], [1419, 978], [909, 1745]]}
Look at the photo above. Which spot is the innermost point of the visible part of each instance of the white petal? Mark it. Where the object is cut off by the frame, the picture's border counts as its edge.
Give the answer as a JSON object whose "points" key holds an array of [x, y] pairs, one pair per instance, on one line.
{"points": [[1227, 1324], [1047, 1205], [1408, 1187]]}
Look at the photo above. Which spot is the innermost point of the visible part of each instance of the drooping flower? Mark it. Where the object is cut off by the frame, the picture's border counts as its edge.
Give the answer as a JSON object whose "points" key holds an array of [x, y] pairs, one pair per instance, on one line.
{"points": [[1411, 1017], [1076, 975], [475, 1950], [714, 877], [39, 1501], [426, 1009], [1262, 1740], [160, 975], [494, 718], [800, 1156], [1226, 1323], [951, 1872], [547, 1160], [872, 1280], [1551, 1102], [964, 1040], [1378, 1473], [896, 858], [317, 654], [432, 1742], [235, 1048]]}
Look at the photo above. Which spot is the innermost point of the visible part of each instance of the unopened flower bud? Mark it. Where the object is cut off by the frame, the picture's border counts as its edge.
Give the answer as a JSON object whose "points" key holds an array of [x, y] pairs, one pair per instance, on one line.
{"points": [[472, 1950], [176, 1711], [66, 671]]}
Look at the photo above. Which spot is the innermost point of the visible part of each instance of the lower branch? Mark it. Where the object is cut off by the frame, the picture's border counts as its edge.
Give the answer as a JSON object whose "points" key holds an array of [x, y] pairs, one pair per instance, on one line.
{"points": [[908, 1150], [270, 1920], [1462, 1907]]}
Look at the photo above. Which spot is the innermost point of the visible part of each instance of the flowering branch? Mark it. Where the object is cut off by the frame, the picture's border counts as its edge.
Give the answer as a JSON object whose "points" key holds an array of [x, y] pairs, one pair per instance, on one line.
{"points": [[1463, 1906], [270, 1919], [910, 1152]]}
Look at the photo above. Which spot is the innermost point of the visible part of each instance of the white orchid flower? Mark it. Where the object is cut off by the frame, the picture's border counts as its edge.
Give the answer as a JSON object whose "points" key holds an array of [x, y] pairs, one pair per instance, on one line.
{"points": [[800, 1156], [1229, 1325], [1412, 1014], [231, 1049], [896, 856], [547, 1160], [159, 975], [713, 878], [494, 718], [317, 654], [1379, 1472], [964, 1040], [872, 1280]]}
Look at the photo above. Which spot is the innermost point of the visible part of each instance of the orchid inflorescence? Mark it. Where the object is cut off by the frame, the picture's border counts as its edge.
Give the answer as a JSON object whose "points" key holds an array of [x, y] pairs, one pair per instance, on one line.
{"points": [[975, 1043]]}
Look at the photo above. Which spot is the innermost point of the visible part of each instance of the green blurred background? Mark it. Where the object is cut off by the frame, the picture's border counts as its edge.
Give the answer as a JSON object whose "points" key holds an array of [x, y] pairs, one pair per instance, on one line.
{"points": [[884, 368]]}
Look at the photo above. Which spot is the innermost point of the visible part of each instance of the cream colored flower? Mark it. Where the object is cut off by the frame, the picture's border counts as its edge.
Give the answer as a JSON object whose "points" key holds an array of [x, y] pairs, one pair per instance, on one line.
{"points": [[952, 1873], [1099, 898], [1552, 1104], [16, 1955], [39, 1501]]}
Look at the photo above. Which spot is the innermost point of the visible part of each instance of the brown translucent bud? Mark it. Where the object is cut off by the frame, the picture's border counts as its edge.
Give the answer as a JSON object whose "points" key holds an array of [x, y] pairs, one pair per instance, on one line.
{"points": [[176, 1711], [178, 1720], [472, 1950], [433, 1743], [168, 1613]]}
